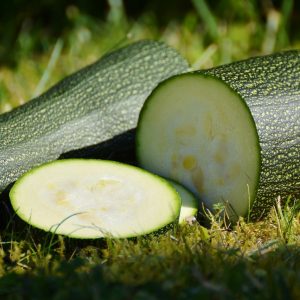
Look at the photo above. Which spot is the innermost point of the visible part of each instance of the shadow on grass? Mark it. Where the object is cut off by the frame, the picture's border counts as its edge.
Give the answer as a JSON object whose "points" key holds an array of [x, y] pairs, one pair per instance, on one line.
{"points": [[205, 275]]}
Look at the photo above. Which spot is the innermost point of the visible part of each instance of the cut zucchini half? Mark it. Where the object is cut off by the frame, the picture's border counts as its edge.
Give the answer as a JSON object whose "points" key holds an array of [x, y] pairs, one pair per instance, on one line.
{"points": [[196, 130], [189, 203], [84, 198]]}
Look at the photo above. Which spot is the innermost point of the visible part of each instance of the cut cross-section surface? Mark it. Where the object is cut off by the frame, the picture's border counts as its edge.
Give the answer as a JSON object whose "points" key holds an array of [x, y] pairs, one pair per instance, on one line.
{"points": [[196, 130], [94, 198], [189, 204], [230, 133]]}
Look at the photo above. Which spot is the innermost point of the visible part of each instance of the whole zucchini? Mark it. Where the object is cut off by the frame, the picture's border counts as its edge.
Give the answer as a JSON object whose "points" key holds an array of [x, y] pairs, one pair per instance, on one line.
{"points": [[88, 107], [231, 133]]}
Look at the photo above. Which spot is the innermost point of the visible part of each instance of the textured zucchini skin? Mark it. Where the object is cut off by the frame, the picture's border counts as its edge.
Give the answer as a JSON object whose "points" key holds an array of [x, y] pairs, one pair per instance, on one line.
{"points": [[270, 85], [89, 107]]}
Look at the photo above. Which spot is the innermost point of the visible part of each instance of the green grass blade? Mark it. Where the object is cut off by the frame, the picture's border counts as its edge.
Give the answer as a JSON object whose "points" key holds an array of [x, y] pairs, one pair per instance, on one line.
{"points": [[207, 17], [51, 65]]}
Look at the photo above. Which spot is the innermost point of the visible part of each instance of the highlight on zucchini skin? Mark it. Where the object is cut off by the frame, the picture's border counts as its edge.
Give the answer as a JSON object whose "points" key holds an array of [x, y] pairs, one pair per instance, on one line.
{"points": [[88, 199], [238, 120], [86, 108]]}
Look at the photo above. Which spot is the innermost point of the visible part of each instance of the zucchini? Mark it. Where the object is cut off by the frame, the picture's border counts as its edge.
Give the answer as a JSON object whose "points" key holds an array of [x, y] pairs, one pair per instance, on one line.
{"points": [[87, 198], [189, 203], [230, 134], [89, 107]]}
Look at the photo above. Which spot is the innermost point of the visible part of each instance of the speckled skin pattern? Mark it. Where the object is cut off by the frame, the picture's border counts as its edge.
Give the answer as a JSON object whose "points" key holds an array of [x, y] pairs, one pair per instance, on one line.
{"points": [[270, 86], [86, 108]]}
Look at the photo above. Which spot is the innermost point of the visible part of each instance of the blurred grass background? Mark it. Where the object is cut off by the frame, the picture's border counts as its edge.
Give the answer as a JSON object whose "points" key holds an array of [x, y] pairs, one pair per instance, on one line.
{"points": [[43, 41]]}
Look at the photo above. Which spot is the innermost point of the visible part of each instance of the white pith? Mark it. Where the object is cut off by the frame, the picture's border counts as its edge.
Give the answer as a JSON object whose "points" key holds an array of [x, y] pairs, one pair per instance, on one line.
{"points": [[90, 199], [189, 203], [197, 131]]}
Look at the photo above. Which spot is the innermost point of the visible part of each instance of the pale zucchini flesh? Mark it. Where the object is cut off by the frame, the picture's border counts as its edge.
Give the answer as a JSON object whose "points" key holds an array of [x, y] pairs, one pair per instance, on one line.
{"points": [[196, 130], [270, 85], [189, 203], [94, 198]]}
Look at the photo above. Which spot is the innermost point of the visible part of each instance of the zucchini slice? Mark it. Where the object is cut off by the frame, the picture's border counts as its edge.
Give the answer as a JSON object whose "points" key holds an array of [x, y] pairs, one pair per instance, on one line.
{"points": [[189, 203], [94, 198], [194, 129], [230, 134]]}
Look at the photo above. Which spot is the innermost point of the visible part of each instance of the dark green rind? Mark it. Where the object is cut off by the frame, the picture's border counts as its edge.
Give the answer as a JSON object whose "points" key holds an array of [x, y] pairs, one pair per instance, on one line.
{"points": [[169, 224], [89, 107], [270, 85]]}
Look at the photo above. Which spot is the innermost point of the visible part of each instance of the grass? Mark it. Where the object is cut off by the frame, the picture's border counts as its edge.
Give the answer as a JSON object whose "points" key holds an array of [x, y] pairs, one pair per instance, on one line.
{"points": [[249, 260], [202, 38]]}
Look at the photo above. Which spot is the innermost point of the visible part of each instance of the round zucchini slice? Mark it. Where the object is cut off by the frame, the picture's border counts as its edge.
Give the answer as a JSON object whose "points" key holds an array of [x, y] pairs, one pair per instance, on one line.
{"points": [[196, 130], [85, 198]]}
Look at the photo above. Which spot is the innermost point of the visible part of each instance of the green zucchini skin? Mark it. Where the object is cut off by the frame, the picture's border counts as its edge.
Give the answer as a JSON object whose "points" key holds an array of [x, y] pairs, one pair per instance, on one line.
{"points": [[88, 107], [270, 85]]}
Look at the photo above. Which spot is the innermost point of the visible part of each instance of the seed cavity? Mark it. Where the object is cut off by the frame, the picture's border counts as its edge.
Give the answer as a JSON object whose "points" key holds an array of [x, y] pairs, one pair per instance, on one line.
{"points": [[189, 162], [198, 180], [104, 183], [61, 198], [186, 130]]}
